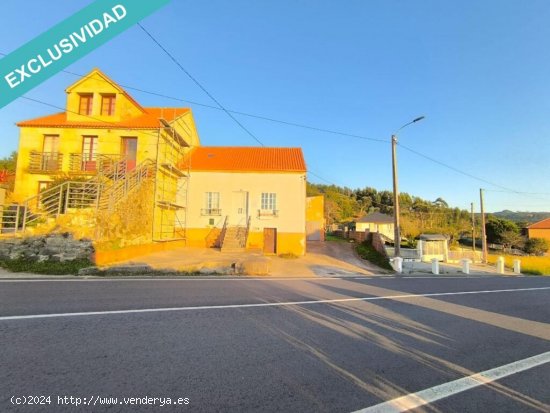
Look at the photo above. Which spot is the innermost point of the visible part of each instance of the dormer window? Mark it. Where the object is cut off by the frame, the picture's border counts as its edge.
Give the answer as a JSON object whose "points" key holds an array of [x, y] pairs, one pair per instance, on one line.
{"points": [[108, 104], [86, 101]]}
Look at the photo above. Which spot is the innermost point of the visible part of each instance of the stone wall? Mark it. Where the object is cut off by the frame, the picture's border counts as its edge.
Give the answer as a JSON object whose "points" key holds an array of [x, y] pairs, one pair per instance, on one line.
{"points": [[52, 247], [378, 243], [130, 222], [357, 236]]}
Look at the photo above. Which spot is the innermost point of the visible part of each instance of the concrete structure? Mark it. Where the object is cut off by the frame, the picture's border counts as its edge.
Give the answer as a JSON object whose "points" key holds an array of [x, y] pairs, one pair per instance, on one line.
{"points": [[315, 218], [376, 222], [433, 246], [539, 229]]}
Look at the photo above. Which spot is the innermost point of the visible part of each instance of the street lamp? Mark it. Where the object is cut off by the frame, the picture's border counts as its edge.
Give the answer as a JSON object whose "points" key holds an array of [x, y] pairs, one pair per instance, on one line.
{"points": [[396, 232]]}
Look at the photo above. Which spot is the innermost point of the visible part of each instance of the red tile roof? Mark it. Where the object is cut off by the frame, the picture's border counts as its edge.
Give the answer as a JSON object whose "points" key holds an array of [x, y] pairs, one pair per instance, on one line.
{"points": [[544, 224], [148, 120], [244, 159]]}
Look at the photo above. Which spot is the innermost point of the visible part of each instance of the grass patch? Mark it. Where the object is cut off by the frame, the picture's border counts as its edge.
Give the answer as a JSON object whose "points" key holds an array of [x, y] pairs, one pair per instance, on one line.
{"points": [[46, 267], [330, 237], [367, 252], [529, 264]]}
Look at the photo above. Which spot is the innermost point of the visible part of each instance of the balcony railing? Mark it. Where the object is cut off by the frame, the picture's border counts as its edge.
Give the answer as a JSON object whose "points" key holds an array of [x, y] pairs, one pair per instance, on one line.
{"points": [[211, 212], [268, 213], [45, 162], [92, 163]]}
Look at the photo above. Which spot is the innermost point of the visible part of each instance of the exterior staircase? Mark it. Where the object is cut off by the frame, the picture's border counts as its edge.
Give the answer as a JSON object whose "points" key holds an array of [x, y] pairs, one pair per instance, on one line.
{"points": [[234, 238], [102, 192]]}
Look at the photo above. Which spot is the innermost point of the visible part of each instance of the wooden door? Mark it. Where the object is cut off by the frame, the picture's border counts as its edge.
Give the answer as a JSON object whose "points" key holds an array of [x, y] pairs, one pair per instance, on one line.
{"points": [[129, 152], [270, 240]]}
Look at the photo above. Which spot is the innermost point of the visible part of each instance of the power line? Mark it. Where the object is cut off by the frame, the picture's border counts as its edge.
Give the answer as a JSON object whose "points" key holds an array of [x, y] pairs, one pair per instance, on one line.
{"points": [[518, 192], [250, 115], [230, 112], [199, 85]]}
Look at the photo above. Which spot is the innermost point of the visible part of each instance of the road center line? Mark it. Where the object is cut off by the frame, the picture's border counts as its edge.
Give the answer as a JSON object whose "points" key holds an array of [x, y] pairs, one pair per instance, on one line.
{"points": [[421, 398], [254, 305]]}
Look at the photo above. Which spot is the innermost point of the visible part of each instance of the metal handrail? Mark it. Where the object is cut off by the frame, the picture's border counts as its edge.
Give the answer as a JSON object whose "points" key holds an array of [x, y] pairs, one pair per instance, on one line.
{"points": [[45, 161], [211, 211]]}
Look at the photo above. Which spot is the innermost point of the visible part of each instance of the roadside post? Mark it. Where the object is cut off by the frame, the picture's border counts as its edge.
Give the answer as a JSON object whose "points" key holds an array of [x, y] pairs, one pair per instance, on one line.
{"points": [[435, 266], [398, 264], [466, 265], [517, 266], [500, 265]]}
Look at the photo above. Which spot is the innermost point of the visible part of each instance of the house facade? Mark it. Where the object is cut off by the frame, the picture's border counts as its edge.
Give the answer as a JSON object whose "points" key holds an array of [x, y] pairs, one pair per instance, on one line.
{"points": [[246, 197], [539, 229], [376, 222], [102, 126], [136, 175]]}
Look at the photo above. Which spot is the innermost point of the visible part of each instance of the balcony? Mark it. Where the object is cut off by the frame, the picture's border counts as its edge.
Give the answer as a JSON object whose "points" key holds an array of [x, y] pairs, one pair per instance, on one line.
{"points": [[45, 162], [268, 213], [214, 212], [90, 164]]}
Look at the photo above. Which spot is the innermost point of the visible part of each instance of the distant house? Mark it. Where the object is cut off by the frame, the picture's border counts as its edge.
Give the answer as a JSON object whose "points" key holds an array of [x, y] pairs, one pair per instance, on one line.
{"points": [[539, 229], [433, 246], [376, 222]]}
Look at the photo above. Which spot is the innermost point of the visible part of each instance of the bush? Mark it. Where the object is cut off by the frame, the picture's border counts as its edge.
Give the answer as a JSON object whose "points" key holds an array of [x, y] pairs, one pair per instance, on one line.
{"points": [[46, 267], [367, 252], [536, 246]]}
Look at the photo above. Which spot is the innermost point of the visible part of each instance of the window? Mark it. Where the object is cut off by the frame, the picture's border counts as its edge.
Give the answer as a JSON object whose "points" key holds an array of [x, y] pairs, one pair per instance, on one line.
{"points": [[51, 144], [86, 101], [108, 104], [269, 201], [49, 160], [268, 204], [89, 150], [43, 185], [212, 203]]}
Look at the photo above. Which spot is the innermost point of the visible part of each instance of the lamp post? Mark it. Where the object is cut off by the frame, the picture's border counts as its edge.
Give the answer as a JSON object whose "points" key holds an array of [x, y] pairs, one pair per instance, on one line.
{"points": [[396, 231]]}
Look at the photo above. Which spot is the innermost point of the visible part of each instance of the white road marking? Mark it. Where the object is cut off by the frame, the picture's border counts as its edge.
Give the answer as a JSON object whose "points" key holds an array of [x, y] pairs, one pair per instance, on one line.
{"points": [[254, 305], [433, 394], [169, 279]]}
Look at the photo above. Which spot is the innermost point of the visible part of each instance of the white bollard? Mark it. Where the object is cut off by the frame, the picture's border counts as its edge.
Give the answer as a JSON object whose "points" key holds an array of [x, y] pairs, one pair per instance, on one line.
{"points": [[398, 264], [517, 266], [435, 266], [500, 265], [466, 265]]}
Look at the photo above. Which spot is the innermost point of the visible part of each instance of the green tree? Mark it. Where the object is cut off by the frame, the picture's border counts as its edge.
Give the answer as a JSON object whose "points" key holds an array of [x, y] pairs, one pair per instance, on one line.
{"points": [[536, 246], [9, 163], [512, 239], [495, 227]]}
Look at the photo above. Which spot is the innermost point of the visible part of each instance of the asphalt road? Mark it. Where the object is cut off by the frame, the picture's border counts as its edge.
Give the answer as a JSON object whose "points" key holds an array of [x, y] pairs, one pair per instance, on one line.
{"points": [[267, 345]]}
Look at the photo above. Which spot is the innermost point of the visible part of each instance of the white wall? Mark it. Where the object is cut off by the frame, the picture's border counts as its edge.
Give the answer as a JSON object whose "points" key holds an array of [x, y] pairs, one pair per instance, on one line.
{"points": [[289, 187]]}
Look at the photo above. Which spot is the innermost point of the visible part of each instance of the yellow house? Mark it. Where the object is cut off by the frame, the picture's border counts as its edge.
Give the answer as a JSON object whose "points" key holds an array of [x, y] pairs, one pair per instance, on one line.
{"points": [[102, 125], [139, 176]]}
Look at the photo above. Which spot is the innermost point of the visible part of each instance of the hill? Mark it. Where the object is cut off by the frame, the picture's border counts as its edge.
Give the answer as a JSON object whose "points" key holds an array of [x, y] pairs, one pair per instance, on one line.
{"points": [[522, 217]]}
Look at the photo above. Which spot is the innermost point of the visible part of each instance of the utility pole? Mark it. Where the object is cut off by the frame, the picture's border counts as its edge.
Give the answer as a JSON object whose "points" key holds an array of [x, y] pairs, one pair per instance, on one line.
{"points": [[473, 229], [483, 232], [396, 233]]}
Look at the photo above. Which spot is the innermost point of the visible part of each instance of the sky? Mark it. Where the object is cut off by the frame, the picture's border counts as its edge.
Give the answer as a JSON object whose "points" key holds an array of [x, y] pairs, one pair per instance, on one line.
{"points": [[478, 71]]}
